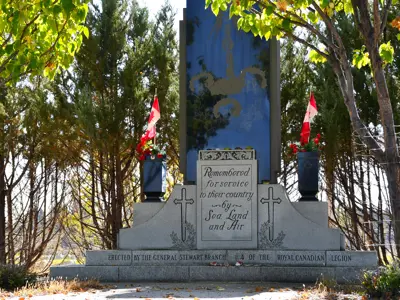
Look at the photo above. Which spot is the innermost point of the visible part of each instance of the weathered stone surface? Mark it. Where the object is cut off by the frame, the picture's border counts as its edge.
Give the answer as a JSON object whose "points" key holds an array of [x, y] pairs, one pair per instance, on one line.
{"points": [[103, 273], [180, 258], [209, 273], [296, 274], [351, 258], [109, 258], [349, 274], [173, 227], [316, 212], [206, 273], [282, 227], [154, 273], [300, 258], [226, 204], [142, 212], [280, 224], [250, 257]]}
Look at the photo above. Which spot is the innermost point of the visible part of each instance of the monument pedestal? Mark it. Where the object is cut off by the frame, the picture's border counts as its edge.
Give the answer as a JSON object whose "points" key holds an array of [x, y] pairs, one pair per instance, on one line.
{"points": [[226, 228], [219, 265]]}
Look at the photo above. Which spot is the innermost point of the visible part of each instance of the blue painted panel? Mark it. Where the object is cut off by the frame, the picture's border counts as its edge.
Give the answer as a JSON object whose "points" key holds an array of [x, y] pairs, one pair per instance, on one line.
{"points": [[154, 176], [227, 96]]}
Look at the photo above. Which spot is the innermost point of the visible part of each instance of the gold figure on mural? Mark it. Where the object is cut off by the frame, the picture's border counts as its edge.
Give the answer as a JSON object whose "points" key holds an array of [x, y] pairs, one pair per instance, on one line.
{"points": [[231, 84]]}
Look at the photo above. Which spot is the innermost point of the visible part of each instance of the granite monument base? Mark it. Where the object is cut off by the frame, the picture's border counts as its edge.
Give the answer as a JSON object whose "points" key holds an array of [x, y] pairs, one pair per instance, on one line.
{"points": [[220, 265]]}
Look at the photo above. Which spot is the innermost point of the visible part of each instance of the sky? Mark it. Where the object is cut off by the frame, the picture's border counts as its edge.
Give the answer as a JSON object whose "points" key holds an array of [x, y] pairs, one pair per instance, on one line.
{"points": [[155, 5]]}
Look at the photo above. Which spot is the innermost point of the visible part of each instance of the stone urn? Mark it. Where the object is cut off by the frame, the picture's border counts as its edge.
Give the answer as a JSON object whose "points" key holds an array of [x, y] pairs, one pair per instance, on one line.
{"points": [[308, 167], [154, 178]]}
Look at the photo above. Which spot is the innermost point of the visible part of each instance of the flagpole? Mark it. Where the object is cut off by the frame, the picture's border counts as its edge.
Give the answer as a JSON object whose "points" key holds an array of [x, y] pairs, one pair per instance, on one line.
{"points": [[155, 136]]}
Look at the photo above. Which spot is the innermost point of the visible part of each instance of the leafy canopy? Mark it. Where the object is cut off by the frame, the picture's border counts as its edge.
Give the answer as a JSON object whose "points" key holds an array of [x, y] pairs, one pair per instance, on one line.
{"points": [[279, 18], [39, 36]]}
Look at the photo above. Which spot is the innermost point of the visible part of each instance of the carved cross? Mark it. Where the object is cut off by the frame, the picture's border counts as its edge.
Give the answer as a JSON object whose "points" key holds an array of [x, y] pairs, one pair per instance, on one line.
{"points": [[183, 202], [271, 209]]}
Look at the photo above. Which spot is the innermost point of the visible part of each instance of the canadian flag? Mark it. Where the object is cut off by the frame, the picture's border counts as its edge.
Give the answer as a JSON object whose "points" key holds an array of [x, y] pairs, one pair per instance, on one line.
{"points": [[151, 126], [311, 112]]}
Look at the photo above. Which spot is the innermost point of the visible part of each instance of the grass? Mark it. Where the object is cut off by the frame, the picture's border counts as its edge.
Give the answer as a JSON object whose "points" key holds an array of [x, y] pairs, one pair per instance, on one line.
{"points": [[48, 287]]}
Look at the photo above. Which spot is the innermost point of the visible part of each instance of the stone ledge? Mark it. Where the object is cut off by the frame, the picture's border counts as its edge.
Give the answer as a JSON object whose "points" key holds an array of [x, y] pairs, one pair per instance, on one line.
{"points": [[351, 258], [208, 273], [154, 273], [109, 258], [103, 273], [248, 257]]}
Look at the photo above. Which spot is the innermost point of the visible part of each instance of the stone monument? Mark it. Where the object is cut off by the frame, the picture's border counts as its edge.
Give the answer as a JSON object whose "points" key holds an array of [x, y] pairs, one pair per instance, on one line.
{"points": [[230, 211]]}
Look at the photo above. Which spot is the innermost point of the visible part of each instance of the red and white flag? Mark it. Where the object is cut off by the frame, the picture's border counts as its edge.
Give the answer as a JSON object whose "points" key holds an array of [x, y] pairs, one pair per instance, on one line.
{"points": [[151, 126], [311, 112]]}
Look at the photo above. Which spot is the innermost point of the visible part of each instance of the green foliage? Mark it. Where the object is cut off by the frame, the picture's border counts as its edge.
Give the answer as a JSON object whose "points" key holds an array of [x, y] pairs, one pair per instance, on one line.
{"points": [[284, 18], [386, 51], [361, 58], [14, 277], [315, 57], [383, 282], [278, 17], [39, 37]]}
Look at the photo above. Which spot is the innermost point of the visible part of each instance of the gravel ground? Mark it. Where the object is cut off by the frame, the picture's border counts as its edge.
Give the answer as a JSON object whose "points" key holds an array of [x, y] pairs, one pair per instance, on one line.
{"points": [[199, 291]]}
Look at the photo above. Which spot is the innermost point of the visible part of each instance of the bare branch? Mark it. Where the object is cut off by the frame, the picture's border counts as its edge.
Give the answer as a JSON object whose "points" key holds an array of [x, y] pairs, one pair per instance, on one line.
{"points": [[304, 42]]}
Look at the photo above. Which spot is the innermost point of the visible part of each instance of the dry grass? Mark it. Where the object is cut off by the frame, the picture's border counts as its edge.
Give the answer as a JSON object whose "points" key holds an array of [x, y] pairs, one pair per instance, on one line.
{"points": [[330, 290], [49, 287], [324, 289]]}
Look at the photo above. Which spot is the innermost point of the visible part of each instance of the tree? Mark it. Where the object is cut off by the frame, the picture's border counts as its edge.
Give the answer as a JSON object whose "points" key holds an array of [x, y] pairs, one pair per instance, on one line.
{"points": [[35, 37], [126, 57], [39, 36], [284, 18]]}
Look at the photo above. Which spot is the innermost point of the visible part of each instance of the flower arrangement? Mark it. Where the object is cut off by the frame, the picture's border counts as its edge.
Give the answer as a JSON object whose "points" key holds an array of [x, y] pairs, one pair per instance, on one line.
{"points": [[152, 150], [312, 145]]}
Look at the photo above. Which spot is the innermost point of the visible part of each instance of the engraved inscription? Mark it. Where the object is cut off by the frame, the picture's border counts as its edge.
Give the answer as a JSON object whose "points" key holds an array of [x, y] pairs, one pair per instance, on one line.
{"points": [[179, 257], [259, 257], [341, 257], [226, 194], [119, 257], [300, 258]]}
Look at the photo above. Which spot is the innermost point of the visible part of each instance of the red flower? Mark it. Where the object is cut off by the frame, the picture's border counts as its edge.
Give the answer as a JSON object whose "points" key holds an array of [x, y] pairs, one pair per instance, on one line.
{"points": [[295, 150], [139, 148], [142, 157], [147, 151], [318, 136], [316, 141], [159, 155]]}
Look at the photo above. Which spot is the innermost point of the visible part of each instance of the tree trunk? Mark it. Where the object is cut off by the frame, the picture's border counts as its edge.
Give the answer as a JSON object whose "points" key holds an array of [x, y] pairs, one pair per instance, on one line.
{"points": [[390, 160], [393, 178], [11, 251], [120, 187], [113, 199], [330, 187], [2, 211]]}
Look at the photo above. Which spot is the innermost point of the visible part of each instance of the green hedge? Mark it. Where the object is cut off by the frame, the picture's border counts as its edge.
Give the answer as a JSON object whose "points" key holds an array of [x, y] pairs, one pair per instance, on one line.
{"points": [[13, 277], [383, 282]]}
